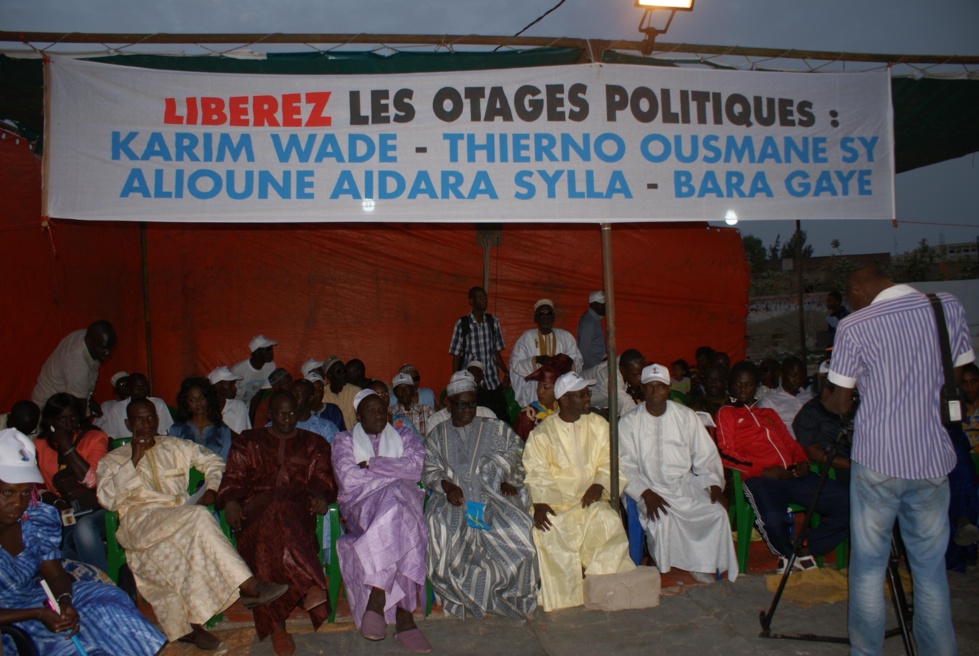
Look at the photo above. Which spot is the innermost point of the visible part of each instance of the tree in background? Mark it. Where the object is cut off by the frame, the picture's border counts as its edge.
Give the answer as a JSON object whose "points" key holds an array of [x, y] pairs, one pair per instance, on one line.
{"points": [[755, 253], [841, 267], [918, 264], [788, 251]]}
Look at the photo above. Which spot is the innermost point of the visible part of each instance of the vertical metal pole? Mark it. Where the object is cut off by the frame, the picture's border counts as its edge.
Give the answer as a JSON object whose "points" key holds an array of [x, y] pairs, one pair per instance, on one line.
{"points": [[798, 266], [613, 374], [146, 303], [486, 266]]}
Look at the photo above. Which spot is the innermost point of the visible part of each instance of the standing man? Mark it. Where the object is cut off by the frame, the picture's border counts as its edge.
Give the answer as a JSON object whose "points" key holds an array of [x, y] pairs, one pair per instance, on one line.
{"points": [[477, 336], [255, 371], [536, 347], [73, 366], [591, 332], [901, 451]]}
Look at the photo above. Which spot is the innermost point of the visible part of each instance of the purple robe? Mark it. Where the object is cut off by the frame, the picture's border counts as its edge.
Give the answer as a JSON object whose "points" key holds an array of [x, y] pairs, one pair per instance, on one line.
{"points": [[384, 546]]}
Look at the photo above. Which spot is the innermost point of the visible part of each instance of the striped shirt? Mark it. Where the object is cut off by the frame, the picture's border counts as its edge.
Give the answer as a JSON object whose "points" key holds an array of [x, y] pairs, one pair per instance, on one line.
{"points": [[890, 350], [482, 343]]}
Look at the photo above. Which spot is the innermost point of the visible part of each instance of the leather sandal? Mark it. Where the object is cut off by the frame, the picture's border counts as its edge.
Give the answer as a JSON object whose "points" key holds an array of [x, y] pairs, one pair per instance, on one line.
{"points": [[201, 639], [315, 597], [414, 640], [265, 592]]}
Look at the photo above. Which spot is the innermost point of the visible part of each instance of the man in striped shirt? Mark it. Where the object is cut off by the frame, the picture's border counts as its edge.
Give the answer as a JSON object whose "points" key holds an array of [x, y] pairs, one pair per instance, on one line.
{"points": [[477, 336], [901, 451]]}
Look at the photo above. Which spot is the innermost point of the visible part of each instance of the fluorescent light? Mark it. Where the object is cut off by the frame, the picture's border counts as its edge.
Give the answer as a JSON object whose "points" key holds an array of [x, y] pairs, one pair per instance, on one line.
{"points": [[684, 5]]}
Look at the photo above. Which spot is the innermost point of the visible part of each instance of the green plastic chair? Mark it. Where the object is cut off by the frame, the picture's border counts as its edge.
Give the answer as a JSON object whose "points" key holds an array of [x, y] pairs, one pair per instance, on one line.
{"points": [[118, 442], [743, 517], [332, 568], [512, 407], [117, 555]]}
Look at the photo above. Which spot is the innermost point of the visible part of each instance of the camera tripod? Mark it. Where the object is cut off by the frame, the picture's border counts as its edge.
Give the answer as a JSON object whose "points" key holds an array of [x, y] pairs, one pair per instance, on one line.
{"points": [[902, 608]]}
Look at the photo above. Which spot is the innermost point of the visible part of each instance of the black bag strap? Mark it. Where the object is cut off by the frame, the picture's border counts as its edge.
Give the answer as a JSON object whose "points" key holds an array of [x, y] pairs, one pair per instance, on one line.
{"points": [[943, 342]]}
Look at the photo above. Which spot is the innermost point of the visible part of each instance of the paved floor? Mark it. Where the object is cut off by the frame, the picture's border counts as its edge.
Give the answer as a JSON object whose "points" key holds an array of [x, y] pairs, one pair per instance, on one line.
{"points": [[720, 618]]}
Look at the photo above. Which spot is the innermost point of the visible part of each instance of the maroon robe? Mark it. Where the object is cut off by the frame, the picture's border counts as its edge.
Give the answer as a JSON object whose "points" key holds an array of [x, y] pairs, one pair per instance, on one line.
{"points": [[274, 480]]}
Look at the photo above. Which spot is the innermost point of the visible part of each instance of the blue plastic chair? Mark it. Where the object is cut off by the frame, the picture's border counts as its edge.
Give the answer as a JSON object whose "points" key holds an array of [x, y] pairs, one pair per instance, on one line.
{"points": [[637, 537]]}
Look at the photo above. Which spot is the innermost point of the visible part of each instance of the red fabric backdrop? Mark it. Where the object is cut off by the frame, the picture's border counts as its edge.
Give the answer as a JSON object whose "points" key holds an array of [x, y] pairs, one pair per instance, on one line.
{"points": [[386, 293]]}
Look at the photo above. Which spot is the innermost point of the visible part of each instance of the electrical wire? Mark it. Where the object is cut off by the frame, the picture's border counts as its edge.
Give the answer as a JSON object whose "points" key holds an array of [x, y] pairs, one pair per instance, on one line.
{"points": [[535, 21]]}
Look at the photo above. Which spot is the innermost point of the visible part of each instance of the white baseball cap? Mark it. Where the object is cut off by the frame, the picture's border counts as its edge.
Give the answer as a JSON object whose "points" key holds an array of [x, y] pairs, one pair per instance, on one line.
{"points": [[259, 342], [314, 377], [222, 373], [402, 379], [311, 364], [570, 382], [117, 376], [597, 297], [18, 458], [655, 373]]}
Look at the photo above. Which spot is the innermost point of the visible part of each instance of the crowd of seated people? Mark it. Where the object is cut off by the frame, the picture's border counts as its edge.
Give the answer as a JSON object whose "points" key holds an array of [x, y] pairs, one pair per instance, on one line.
{"points": [[499, 508]]}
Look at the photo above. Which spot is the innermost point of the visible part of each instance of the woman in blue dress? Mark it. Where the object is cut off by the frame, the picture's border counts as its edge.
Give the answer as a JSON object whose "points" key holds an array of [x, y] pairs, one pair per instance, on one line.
{"points": [[199, 417], [101, 616]]}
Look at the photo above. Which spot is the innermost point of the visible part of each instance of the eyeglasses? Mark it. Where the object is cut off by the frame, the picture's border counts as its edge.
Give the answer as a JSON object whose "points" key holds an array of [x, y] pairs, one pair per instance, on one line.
{"points": [[462, 405]]}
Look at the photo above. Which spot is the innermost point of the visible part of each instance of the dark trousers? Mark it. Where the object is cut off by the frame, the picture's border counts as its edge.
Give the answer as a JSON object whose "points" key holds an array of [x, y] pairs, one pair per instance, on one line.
{"points": [[963, 501], [770, 499]]}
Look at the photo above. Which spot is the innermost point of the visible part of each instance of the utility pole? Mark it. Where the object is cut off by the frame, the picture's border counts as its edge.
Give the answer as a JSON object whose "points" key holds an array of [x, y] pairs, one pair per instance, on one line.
{"points": [[798, 266]]}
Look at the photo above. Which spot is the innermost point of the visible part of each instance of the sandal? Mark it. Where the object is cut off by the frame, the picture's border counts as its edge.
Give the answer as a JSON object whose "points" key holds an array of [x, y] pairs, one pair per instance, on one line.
{"points": [[265, 592], [373, 626], [414, 640], [315, 597], [201, 639]]}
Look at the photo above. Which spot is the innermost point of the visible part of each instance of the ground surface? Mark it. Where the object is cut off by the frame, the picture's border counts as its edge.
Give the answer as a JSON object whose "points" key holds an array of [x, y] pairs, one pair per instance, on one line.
{"points": [[721, 618]]}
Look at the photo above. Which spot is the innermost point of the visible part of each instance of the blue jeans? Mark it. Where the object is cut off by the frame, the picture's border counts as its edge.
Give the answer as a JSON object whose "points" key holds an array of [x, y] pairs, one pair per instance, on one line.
{"points": [[921, 506], [85, 540]]}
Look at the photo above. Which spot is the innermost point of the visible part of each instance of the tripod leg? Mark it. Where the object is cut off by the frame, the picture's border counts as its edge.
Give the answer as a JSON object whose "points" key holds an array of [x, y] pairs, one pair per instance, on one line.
{"points": [[902, 609]]}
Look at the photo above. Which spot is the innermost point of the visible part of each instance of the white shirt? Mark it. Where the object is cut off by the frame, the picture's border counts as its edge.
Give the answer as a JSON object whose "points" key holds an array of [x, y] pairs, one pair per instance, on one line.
{"points": [[70, 368], [522, 361], [786, 405], [114, 421], [235, 415], [599, 391], [252, 379]]}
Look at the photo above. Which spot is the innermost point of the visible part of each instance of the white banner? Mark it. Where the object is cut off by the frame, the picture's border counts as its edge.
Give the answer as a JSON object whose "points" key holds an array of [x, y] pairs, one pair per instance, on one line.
{"points": [[596, 143]]}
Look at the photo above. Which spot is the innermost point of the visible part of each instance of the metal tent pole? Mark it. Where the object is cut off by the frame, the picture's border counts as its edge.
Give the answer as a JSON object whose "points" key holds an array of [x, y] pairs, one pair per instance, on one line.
{"points": [[613, 378]]}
